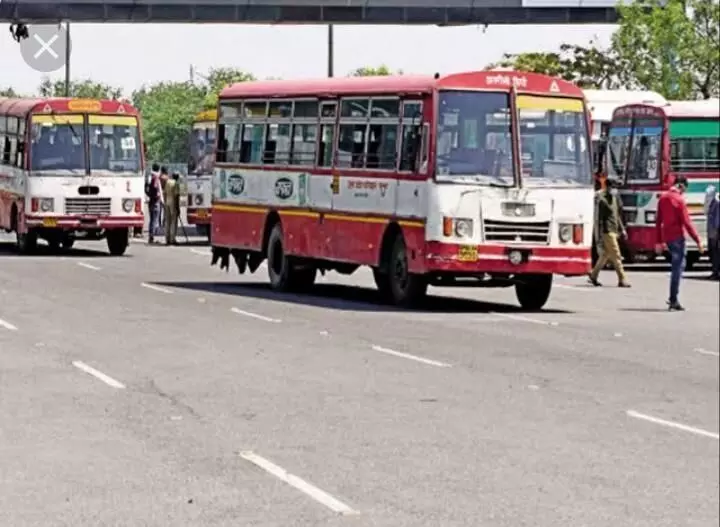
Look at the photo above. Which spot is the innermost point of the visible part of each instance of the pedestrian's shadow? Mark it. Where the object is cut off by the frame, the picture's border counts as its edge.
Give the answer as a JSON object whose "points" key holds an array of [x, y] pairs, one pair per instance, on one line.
{"points": [[644, 309]]}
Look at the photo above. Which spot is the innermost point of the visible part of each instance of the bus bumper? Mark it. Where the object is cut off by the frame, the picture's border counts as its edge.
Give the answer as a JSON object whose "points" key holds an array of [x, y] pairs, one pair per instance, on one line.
{"points": [[502, 259], [641, 240], [83, 223], [198, 216]]}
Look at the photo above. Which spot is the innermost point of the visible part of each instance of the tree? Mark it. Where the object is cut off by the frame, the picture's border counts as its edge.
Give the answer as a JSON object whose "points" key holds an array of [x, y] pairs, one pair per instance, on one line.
{"points": [[8, 92], [168, 109], [671, 46], [587, 66], [368, 71], [218, 78], [86, 89]]}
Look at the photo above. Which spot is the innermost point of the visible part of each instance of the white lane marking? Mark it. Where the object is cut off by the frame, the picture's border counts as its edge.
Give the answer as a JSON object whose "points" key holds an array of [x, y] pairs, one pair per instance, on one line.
{"points": [[707, 352], [254, 315], [98, 374], [7, 325], [156, 288], [88, 266], [524, 319], [671, 424], [200, 252], [300, 484], [580, 288], [412, 357]]}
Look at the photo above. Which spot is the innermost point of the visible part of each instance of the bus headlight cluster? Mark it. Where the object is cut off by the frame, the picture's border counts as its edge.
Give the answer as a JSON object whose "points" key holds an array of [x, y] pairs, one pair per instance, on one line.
{"points": [[198, 199], [47, 204], [460, 227], [574, 232], [128, 205], [649, 217], [565, 233]]}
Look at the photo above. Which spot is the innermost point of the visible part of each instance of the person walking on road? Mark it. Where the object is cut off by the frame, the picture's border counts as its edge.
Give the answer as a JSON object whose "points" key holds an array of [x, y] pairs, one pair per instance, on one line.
{"points": [[672, 223], [172, 208], [153, 191], [163, 179], [712, 213], [609, 229]]}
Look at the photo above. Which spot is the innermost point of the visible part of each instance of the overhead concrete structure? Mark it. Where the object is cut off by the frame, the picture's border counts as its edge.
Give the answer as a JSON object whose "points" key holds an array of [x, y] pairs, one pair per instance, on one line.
{"points": [[419, 12]]}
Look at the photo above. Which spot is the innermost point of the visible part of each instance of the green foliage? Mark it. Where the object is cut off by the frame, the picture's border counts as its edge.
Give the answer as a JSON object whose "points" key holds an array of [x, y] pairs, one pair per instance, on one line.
{"points": [[8, 92], [219, 78], [85, 89], [379, 71], [167, 110], [671, 46], [587, 66]]}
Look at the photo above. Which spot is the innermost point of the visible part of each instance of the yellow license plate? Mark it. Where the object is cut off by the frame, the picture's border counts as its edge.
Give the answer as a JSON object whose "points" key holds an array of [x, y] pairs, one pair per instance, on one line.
{"points": [[202, 213], [468, 253], [49, 222]]}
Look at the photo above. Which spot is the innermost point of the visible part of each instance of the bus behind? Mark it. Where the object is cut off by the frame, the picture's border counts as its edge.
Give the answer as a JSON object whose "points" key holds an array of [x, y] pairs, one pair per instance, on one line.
{"points": [[200, 170]]}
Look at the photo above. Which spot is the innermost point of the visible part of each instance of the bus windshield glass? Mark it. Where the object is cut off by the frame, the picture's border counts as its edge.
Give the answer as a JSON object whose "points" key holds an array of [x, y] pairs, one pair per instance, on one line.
{"points": [[114, 143], [554, 142], [202, 145], [634, 143], [473, 138], [57, 143]]}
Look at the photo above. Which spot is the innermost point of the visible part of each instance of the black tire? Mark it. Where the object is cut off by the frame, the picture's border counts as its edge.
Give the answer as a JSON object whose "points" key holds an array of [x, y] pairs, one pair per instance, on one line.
{"points": [[691, 259], [117, 241], [382, 282], [533, 290], [26, 243], [404, 288], [284, 274], [67, 243]]}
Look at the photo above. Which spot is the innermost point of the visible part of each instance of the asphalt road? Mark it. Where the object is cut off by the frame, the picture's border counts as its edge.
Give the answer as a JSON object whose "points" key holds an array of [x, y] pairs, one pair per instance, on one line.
{"points": [[154, 390]]}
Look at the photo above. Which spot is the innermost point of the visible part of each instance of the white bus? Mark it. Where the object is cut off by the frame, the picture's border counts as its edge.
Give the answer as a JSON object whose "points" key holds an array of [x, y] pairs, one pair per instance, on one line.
{"points": [[200, 170], [70, 169]]}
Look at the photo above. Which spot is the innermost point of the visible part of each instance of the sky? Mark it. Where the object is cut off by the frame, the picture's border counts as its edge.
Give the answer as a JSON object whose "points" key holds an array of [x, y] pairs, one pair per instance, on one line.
{"points": [[130, 55]]}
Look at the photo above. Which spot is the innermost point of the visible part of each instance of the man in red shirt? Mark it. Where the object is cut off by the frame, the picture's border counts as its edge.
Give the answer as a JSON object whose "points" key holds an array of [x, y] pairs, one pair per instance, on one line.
{"points": [[672, 223]]}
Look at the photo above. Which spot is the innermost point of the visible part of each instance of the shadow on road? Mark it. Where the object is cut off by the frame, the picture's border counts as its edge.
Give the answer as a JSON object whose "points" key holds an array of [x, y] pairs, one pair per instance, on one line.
{"points": [[8, 250], [347, 298]]}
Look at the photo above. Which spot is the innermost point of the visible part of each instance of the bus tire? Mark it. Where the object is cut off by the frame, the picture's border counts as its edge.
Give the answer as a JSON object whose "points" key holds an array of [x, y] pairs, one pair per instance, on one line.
{"points": [[284, 274], [404, 289], [533, 290], [67, 242], [117, 241], [26, 243], [382, 282]]}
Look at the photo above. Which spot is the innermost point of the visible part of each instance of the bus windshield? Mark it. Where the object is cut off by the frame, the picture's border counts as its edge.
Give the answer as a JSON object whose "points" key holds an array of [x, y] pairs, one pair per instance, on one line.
{"points": [[57, 143], [202, 146], [635, 143], [553, 142], [473, 138], [114, 143]]}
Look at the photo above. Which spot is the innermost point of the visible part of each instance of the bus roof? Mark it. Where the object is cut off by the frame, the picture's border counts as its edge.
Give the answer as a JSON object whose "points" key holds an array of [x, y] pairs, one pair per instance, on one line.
{"points": [[705, 109], [602, 103], [24, 107], [410, 84], [205, 116]]}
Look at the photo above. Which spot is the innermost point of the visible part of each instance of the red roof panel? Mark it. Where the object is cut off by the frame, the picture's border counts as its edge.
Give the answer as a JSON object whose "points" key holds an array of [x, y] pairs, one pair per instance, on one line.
{"points": [[22, 107]]}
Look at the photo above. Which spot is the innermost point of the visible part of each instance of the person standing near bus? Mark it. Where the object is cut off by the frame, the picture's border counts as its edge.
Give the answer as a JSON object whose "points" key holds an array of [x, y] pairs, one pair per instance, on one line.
{"points": [[153, 190], [172, 208], [712, 213], [609, 229], [672, 222]]}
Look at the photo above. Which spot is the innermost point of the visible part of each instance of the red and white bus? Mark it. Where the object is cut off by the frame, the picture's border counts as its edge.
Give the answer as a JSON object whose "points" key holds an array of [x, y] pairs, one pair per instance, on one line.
{"points": [[200, 170], [71, 168], [480, 178]]}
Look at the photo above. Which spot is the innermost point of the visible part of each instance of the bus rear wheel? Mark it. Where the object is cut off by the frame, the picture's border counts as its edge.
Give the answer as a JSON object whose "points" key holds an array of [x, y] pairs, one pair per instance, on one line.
{"points": [[117, 241], [533, 290], [403, 288], [26, 243], [285, 274]]}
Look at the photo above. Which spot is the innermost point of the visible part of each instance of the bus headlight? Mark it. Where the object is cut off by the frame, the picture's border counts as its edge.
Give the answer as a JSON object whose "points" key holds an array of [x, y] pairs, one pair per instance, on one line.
{"points": [[565, 233], [198, 199], [47, 204], [128, 205], [649, 217], [460, 227]]}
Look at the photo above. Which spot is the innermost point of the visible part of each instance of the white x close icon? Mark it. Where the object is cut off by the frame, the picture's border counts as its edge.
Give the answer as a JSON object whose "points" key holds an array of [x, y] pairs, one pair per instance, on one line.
{"points": [[46, 46]]}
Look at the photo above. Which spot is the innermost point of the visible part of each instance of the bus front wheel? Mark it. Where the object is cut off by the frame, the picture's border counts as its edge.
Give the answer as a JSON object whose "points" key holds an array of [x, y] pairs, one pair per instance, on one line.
{"points": [[26, 242], [117, 241], [403, 288], [533, 290]]}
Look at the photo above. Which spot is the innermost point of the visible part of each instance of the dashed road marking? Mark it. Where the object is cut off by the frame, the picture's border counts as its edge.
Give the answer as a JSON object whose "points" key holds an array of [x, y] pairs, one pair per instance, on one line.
{"points": [[672, 424], [707, 352], [580, 288], [7, 325], [156, 288], [200, 252], [300, 484], [88, 266], [254, 315], [98, 375], [412, 357], [521, 318]]}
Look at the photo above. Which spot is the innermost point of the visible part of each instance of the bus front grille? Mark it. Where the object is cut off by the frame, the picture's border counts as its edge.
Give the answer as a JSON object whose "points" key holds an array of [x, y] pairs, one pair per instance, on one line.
{"points": [[89, 206], [517, 232]]}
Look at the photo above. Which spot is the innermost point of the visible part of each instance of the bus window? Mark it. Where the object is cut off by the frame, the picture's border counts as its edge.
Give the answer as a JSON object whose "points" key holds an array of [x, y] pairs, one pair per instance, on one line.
{"points": [[57, 143], [114, 143], [696, 154]]}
